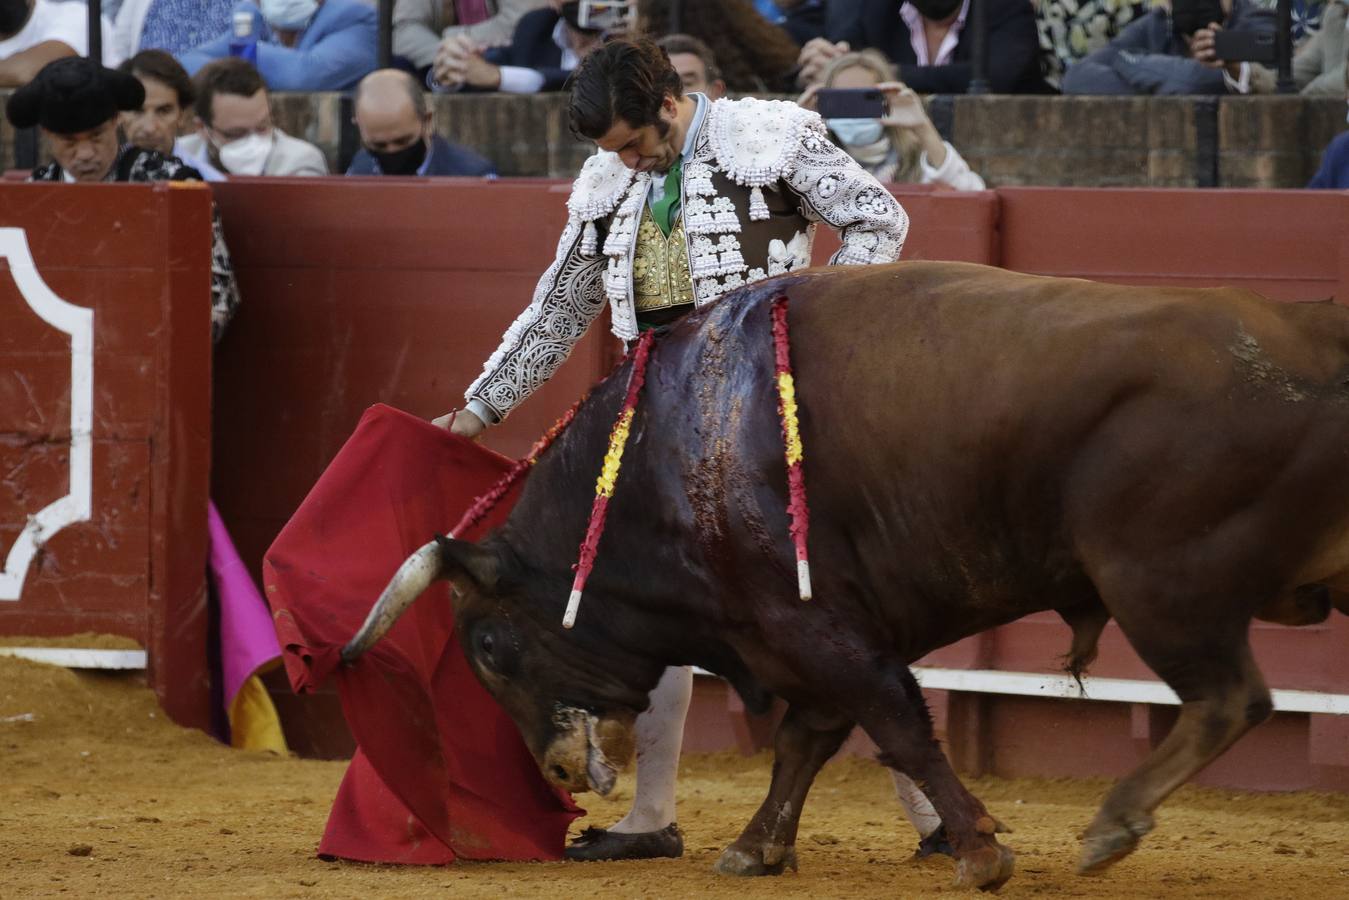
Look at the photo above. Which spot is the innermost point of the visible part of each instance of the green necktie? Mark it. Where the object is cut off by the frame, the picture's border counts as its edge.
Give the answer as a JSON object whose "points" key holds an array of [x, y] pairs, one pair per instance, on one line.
{"points": [[663, 209]]}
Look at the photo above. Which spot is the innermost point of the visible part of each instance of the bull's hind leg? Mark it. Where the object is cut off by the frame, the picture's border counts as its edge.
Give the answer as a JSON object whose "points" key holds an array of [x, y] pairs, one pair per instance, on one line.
{"points": [[804, 742], [898, 722], [1222, 697]]}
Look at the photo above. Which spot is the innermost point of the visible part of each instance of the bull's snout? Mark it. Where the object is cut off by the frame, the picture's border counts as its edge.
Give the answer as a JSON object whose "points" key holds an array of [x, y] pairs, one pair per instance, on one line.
{"points": [[586, 753]]}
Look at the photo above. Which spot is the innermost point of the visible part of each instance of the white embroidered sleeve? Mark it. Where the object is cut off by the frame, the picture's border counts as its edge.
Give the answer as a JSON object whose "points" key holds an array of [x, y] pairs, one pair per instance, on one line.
{"points": [[835, 189], [567, 299]]}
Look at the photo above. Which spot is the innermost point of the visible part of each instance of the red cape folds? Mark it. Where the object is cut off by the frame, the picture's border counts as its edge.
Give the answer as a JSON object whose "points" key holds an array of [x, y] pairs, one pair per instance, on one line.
{"points": [[441, 771]]}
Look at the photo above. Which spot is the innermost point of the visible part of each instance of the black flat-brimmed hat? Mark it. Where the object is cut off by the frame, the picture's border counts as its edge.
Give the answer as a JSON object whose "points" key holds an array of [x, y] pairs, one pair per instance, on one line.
{"points": [[73, 94]]}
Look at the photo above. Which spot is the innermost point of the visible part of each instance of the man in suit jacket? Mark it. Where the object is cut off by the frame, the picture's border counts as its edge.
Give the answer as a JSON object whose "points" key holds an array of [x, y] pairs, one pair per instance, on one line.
{"points": [[307, 45], [931, 42], [547, 46], [397, 137]]}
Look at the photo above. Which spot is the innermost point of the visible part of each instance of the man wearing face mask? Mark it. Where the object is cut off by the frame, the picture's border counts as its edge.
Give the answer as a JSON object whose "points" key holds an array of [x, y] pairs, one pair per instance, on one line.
{"points": [[931, 44], [396, 133], [235, 130], [35, 32], [75, 102], [304, 45]]}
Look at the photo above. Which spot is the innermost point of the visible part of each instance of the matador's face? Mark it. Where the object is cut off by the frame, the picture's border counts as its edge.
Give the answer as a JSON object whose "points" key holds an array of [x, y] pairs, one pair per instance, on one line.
{"points": [[651, 148]]}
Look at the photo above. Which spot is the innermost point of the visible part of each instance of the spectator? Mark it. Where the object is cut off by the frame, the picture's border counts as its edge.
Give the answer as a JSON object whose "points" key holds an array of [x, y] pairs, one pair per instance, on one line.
{"points": [[903, 146], [397, 137], [548, 44], [235, 130], [167, 109], [75, 102], [696, 65], [35, 32], [754, 56], [1070, 30], [928, 41], [1318, 65], [172, 25], [420, 26], [1334, 171], [1156, 54], [304, 45]]}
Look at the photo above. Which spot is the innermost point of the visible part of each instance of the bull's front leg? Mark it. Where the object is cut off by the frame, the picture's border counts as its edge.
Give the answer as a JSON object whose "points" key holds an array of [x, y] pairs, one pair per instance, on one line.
{"points": [[804, 742], [895, 715]]}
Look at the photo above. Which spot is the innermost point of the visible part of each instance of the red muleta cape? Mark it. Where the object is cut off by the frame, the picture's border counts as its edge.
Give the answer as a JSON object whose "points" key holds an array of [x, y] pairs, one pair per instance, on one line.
{"points": [[440, 770]]}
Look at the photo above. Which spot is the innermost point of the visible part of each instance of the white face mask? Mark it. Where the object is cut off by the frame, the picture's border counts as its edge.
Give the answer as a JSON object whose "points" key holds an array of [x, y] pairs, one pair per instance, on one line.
{"points": [[247, 155], [856, 132], [288, 15]]}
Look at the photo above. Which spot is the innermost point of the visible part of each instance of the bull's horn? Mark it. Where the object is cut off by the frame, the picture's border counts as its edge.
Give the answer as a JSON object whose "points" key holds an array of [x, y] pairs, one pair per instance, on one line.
{"points": [[413, 576]]}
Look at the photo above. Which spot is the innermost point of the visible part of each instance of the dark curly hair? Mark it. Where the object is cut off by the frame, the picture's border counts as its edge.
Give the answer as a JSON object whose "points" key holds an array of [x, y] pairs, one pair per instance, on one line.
{"points": [[753, 54], [622, 79]]}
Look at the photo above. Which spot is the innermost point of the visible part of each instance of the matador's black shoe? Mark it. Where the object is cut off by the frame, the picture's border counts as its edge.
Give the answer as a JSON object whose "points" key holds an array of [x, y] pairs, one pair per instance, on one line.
{"points": [[936, 842], [595, 844]]}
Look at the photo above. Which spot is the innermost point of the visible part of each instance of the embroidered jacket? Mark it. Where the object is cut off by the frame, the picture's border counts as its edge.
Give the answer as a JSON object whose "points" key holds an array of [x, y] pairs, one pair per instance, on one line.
{"points": [[141, 166], [761, 175]]}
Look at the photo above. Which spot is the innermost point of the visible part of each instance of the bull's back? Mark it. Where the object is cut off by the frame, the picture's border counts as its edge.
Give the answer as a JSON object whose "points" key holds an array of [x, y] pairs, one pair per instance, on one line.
{"points": [[969, 429]]}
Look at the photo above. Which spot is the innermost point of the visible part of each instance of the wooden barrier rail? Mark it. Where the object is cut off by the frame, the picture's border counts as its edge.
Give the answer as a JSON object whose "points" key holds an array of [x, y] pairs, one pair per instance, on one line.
{"points": [[363, 290]]}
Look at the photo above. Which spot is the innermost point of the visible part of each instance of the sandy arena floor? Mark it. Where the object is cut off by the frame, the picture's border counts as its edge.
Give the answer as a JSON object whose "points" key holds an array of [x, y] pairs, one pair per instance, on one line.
{"points": [[101, 796]]}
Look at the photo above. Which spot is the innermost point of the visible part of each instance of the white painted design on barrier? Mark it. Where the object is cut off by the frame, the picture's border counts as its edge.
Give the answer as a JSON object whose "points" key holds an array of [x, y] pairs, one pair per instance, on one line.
{"points": [[78, 322]]}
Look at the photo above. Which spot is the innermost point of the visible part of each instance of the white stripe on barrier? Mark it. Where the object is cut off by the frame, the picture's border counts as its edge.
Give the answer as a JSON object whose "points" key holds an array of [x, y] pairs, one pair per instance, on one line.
{"points": [[73, 658], [1115, 690], [78, 322]]}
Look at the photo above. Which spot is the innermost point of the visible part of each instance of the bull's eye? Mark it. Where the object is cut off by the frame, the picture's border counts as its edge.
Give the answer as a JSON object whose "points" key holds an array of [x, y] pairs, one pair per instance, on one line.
{"points": [[485, 643]]}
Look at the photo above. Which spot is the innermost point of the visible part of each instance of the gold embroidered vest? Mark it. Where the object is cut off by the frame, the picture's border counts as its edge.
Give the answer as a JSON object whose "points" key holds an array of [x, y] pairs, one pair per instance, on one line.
{"points": [[660, 266]]}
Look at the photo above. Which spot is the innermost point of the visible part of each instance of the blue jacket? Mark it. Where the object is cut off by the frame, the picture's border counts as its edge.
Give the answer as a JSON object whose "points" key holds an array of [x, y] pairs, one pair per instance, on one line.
{"points": [[445, 159], [334, 52], [1334, 171]]}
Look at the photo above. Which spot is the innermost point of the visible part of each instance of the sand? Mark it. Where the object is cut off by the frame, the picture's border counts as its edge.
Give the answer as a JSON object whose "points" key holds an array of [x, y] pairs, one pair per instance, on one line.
{"points": [[101, 796]]}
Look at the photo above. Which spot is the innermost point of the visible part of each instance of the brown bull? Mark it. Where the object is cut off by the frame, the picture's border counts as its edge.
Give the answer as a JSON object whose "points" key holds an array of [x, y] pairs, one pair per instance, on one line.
{"points": [[980, 445]]}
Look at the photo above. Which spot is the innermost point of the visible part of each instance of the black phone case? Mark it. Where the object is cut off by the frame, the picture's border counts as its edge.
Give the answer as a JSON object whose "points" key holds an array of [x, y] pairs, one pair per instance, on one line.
{"points": [[850, 103]]}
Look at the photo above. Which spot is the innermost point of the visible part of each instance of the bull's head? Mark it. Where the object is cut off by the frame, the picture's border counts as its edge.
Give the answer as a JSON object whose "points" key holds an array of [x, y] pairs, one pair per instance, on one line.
{"points": [[560, 687]]}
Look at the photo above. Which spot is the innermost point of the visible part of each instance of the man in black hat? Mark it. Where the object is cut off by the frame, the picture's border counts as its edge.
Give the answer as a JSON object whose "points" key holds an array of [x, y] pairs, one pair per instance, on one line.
{"points": [[76, 102]]}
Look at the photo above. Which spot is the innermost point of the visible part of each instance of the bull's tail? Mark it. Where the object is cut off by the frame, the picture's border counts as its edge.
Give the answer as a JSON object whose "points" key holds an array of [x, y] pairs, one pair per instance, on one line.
{"points": [[413, 576]]}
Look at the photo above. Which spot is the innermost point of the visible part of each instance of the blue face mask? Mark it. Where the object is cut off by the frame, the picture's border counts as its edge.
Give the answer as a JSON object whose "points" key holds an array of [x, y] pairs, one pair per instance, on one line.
{"points": [[288, 15], [856, 132]]}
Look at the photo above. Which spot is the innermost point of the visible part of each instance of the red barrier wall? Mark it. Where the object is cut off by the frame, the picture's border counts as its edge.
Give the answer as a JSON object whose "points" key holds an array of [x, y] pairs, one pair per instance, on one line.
{"points": [[362, 291], [139, 257]]}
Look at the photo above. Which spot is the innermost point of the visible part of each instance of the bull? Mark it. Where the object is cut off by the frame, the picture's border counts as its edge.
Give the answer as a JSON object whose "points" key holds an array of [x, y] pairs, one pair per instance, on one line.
{"points": [[980, 445]]}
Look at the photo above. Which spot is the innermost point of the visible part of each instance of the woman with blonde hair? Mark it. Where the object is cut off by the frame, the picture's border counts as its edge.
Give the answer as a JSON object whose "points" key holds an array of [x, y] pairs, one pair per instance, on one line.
{"points": [[904, 145]]}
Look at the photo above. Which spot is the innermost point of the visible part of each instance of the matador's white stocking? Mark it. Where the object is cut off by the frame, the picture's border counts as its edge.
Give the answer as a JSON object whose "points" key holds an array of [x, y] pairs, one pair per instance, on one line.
{"points": [[659, 733], [917, 808]]}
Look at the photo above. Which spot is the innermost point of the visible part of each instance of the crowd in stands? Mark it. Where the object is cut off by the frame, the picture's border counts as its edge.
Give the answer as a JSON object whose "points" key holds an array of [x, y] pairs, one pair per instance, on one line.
{"points": [[207, 66]]}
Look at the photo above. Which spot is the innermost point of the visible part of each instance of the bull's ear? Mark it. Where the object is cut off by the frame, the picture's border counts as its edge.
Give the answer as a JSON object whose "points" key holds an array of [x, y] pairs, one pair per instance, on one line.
{"points": [[465, 558]]}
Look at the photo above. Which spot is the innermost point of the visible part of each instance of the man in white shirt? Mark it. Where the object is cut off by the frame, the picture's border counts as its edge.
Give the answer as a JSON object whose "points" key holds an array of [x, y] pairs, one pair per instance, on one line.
{"points": [[234, 126], [35, 32]]}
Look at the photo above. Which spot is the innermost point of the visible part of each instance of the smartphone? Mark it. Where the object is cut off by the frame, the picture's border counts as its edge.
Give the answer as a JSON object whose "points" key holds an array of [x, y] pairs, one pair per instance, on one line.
{"points": [[603, 15], [850, 103], [1244, 46]]}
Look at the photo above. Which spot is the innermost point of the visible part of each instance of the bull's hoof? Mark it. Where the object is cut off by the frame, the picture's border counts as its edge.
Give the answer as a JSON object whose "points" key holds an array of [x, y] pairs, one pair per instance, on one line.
{"points": [[768, 859], [596, 844], [1107, 843], [986, 868]]}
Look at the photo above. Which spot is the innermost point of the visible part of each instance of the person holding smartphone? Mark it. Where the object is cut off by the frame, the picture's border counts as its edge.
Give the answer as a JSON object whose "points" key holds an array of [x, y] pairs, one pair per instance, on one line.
{"points": [[1170, 51], [894, 140], [1318, 63]]}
